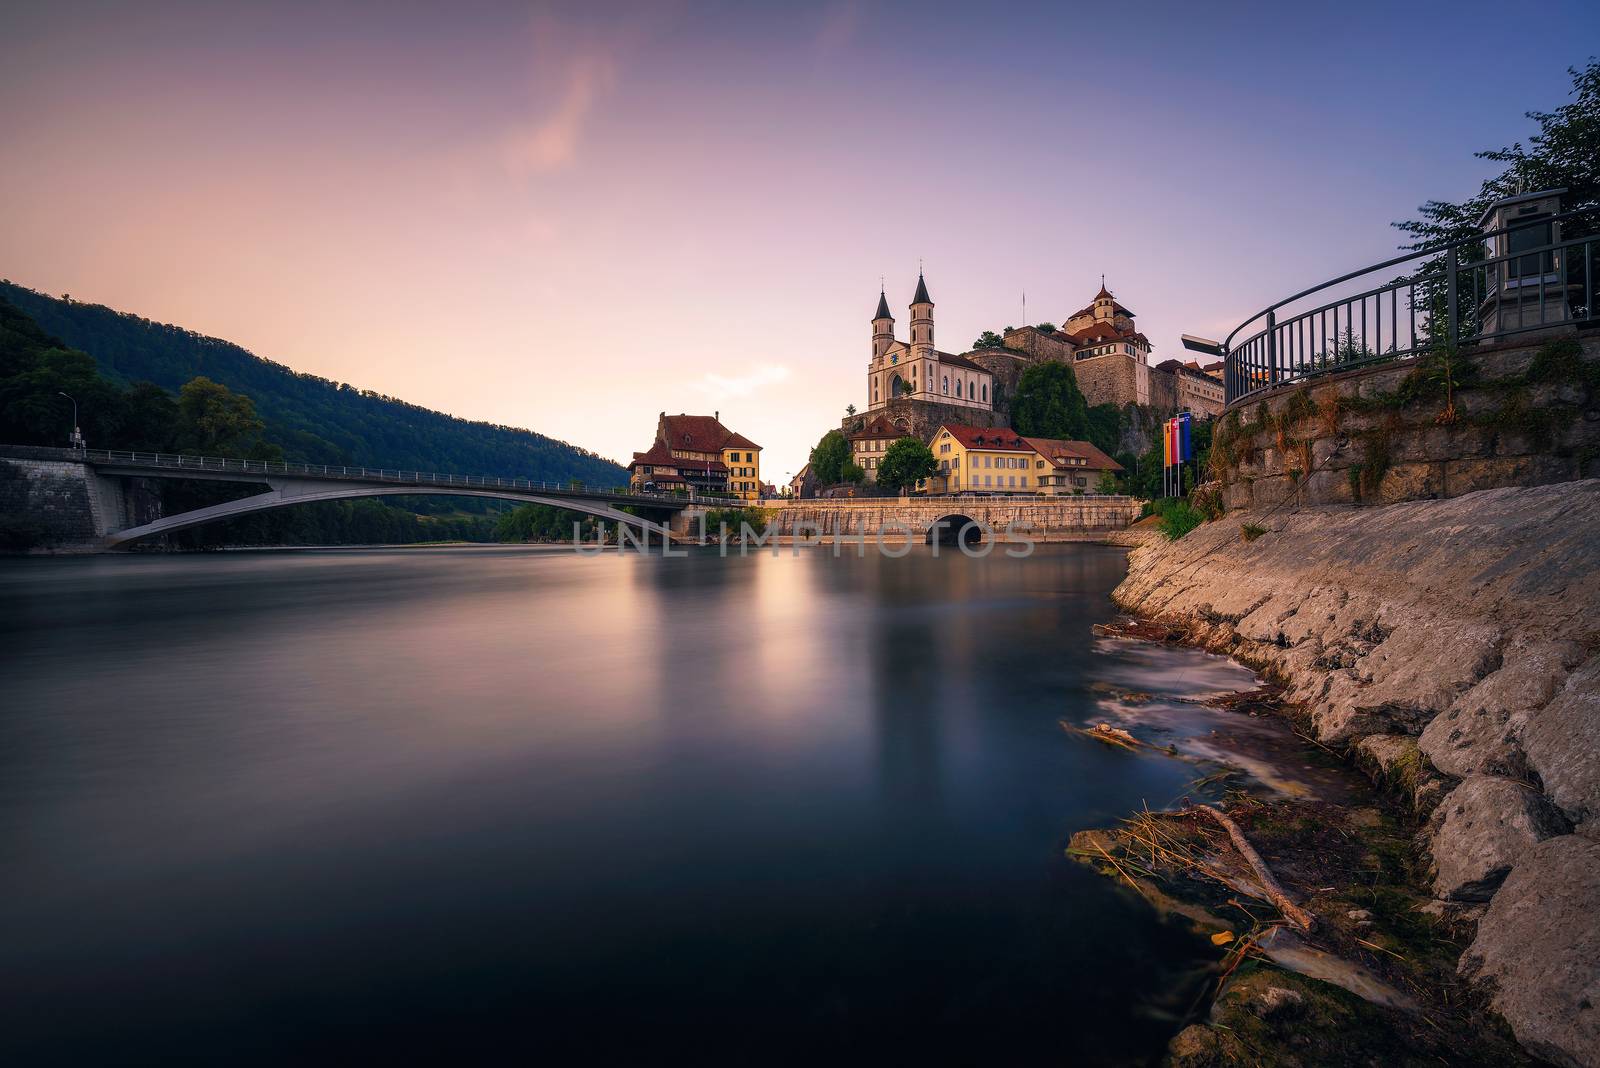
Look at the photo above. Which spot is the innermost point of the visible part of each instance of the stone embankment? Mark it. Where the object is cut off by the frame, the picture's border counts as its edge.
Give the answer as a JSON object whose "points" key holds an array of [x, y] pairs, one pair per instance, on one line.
{"points": [[1453, 648]]}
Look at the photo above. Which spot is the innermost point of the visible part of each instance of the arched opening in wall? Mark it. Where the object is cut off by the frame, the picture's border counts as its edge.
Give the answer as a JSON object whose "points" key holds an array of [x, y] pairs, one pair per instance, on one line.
{"points": [[955, 530]]}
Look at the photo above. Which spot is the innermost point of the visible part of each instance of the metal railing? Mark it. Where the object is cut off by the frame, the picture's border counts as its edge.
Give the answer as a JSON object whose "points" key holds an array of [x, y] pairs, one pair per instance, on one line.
{"points": [[179, 462], [1457, 293]]}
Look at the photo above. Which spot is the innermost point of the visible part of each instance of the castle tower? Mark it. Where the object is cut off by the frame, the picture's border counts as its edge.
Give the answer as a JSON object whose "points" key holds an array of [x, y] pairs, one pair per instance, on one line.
{"points": [[882, 327], [921, 321], [1104, 304]]}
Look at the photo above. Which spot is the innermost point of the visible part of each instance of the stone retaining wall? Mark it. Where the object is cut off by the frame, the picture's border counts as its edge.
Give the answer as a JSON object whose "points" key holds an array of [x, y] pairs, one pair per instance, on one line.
{"points": [[1038, 515], [1519, 414]]}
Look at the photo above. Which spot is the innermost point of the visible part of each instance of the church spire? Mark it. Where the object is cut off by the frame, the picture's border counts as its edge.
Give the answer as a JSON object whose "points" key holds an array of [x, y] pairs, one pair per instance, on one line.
{"points": [[921, 296], [883, 306]]}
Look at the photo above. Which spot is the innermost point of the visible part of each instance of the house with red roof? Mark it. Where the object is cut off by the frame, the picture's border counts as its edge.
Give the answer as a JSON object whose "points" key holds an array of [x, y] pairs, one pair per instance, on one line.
{"points": [[697, 454]]}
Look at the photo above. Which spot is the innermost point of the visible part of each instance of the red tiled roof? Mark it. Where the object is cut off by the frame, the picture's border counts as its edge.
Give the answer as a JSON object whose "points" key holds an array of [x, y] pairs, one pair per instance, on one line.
{"points": [[659, 453], [961, 361], [878, 428], [1058, 451], [1105, 331], [701, 433], [986, 437]]}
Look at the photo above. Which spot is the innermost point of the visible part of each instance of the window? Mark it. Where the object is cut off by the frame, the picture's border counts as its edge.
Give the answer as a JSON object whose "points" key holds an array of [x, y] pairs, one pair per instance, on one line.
{"points": [[1013, 481], [1529, 237], [986, 391], [946, 385]]}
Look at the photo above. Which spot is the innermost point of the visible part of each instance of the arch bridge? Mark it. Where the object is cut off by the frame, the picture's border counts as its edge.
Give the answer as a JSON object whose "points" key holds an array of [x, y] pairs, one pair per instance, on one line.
{"points": [[285, 484]]}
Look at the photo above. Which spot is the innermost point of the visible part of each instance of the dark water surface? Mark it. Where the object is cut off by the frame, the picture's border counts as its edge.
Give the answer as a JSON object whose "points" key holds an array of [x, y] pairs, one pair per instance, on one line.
{"points": [[485, 804]]}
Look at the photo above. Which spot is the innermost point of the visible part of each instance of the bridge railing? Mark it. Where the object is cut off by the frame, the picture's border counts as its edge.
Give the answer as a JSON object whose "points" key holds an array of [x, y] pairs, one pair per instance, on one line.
{"points": [[1451, 293], [220, 464]]}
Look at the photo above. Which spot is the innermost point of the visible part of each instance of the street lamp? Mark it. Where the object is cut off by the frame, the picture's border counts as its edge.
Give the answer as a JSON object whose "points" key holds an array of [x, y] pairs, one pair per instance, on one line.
{"points": [[76, 440]]}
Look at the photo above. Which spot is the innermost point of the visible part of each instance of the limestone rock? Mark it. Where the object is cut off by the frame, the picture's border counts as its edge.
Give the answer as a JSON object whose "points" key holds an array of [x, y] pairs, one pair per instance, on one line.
{"points": [[1488, 823], [1476, 733], [1538, 946], [1563, 744]]}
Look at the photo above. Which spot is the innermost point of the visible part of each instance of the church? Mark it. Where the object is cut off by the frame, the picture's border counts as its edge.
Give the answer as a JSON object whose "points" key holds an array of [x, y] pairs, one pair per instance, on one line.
{"points": [[917, 370], [914, 388]]}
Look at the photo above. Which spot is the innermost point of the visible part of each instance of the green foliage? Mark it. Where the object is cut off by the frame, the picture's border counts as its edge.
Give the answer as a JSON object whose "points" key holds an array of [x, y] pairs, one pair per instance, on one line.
{"points": [[853, 473], [1107, 484], [1251, 531], [1564, 154], [313, 419], [220, 422], [989, 340], [1105, 427], [1049, 403], [829, 458], [735, 520], [1046, 328], [542, 523], [1178, 517], [905, 463]]}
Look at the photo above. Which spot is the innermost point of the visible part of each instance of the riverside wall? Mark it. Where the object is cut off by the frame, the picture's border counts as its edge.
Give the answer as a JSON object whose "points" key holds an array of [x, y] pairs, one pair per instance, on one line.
{"points": [[1450, 646], [1041, 518], [1516, 414]]}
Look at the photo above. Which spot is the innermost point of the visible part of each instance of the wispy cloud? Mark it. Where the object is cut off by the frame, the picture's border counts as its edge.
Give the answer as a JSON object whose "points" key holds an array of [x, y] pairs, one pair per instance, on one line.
{"points": [[839, 22], [729, 387], [550, 143]]}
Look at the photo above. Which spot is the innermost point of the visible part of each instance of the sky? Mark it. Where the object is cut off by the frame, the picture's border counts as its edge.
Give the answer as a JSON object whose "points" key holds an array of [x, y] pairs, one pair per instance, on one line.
{"points": [[570, 217]]}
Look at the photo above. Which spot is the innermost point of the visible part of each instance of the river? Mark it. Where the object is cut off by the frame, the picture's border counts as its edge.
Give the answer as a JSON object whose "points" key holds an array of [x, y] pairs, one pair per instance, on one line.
{"points": [[475, 804]]}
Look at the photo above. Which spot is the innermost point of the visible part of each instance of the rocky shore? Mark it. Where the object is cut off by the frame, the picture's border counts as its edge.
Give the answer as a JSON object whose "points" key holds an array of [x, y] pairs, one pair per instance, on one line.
{"points": [[1452, 649]]}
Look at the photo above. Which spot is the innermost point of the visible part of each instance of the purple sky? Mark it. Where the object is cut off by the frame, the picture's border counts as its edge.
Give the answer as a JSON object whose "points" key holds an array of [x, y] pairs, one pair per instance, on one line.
{"points": [[570, 217]]}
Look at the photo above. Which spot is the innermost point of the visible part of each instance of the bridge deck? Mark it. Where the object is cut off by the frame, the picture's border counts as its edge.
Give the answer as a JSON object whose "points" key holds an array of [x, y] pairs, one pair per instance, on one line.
{"points": [[159, 464]]}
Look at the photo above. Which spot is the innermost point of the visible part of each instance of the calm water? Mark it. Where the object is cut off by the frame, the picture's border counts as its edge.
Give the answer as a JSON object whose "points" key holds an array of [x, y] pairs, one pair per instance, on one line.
{"points": [[479, 804]]}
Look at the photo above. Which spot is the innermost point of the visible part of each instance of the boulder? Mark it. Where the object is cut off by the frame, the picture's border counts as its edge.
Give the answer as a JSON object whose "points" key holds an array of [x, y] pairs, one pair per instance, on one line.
{"points": [[1563, 744], [1488, 823], [1476, 733], [1538, 947]]}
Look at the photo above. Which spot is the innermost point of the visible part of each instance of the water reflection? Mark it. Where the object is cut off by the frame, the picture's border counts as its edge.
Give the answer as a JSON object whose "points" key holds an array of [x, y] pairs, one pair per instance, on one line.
{"points": [[471, 803]]}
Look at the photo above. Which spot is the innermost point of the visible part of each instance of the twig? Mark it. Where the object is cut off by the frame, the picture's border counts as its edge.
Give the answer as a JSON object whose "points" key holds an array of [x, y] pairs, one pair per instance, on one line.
{"points": [[1298, 916]]}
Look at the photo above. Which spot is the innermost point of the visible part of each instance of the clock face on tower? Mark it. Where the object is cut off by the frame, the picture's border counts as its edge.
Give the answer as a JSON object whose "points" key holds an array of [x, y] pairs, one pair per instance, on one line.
{"points": [[895, 358]]}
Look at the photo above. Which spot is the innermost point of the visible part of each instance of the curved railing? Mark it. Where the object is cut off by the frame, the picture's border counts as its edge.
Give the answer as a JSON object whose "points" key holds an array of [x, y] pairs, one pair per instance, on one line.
{"points": [[1455, 294], [178, 462]]}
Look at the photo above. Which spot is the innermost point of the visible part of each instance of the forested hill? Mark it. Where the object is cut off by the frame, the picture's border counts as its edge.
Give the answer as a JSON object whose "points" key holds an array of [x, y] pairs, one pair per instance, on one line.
{"points": [[315, 420]]}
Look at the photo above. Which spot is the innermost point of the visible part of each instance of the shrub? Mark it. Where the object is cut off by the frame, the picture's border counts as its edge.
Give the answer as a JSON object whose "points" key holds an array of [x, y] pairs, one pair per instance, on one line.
{"points": [[1178, 519], [1251, 531]]}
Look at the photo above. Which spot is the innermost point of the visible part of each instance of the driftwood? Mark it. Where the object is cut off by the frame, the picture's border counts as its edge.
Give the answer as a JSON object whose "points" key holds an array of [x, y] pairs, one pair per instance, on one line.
{"points": [[1295, 914]]}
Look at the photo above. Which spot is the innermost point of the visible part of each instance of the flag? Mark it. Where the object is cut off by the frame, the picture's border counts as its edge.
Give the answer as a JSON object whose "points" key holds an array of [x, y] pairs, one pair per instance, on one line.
{"points": [[1186, 450], [1166, 444]]}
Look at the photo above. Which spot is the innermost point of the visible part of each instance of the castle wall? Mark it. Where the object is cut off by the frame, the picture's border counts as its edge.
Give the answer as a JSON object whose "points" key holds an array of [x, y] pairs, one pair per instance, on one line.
{"points": [[922, 418]]}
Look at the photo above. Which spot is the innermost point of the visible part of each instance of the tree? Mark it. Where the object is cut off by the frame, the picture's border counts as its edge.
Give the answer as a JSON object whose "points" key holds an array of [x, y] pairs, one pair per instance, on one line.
{"points": [[850, 410], [1049, 404], [1105, 428], [853, 473], [1107, 485], [829, 457], [1564, 154], [216, 420], [905, 463], [1046, 328], [989, 340]]}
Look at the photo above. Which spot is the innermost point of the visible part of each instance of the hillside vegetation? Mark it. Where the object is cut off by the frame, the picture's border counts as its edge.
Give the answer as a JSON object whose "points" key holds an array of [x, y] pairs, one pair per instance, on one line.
{"points": [[313, 419]]}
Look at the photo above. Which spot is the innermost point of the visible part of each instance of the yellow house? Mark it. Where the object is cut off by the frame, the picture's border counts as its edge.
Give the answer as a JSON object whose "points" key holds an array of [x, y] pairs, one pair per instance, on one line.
{"points": [[696, 453], [981, 459]]}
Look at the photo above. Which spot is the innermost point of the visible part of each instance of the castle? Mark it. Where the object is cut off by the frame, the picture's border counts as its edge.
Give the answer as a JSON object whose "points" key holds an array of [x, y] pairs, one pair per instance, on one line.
{"points": [[914, 388]]}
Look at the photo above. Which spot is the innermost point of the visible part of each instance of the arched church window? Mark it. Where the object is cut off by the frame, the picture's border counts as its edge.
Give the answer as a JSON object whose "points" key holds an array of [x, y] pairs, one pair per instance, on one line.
{"points": [[947, 385], [986, 391]]}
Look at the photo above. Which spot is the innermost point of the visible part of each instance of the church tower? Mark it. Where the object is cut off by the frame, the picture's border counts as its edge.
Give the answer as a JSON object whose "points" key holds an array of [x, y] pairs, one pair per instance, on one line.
{"points": [[882, 328], [921, 321]]}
